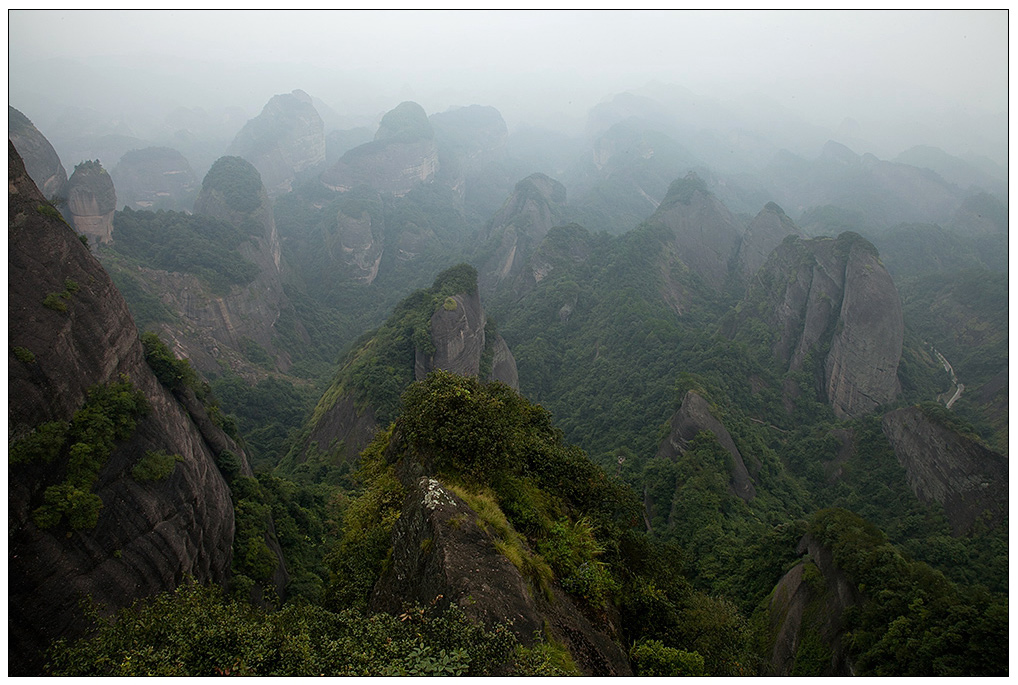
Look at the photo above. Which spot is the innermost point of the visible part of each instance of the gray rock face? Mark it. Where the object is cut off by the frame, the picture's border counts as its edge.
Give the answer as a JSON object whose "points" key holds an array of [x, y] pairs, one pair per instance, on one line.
{"points": [[402, 156], [92, 200], [442, 555], [812, 596], [457, 331], [360, 246], [150, 534], [969, 480], [706, 234], [536, 205], [155, 178], [287, 138], [41, 160], [503, 364], [813, 291], [764, 233], [693, 417], [216, 327]]}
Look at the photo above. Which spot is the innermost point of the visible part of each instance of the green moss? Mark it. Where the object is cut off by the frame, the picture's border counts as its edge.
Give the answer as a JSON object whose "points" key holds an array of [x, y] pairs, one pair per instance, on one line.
{"points": [[450, 304], [55, 302], [23, 355]]}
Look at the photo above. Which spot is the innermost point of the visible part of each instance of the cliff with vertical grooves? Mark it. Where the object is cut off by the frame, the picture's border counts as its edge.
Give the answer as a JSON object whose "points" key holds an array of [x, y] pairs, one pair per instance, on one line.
{"points": [[150, 534]]}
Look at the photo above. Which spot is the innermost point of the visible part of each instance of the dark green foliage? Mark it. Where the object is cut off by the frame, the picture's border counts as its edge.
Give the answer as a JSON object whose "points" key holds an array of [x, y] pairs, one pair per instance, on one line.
{"points": [[194, 632], [155, 466], [237, 181], [55, 302], [146, 308], [51, 212], [256, 354], [229, 465], [42, 444], [175, 374], [268, 413], [23, 355], [652, 658], [109, 415], [184, 243], [914, 621], [683, 190]]}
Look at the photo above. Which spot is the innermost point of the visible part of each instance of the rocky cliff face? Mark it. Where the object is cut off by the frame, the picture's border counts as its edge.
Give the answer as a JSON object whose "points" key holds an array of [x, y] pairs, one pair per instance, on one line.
{"points": [[286, 139], [943, 466], [811, 292], [705, 234], [41, 160], [150, 534], [471, 150], [91, 201], [536, 205], [808, 605], [218, 327], [765, 232], [360, 245], [402, 156], [441, 554], [155, 178], [693, 417]]}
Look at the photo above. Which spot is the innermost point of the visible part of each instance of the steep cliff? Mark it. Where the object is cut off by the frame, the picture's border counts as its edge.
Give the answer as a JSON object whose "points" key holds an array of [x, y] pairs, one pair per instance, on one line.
{"points": [[693, 417], [213, 322], [439, 328], [286, 139], [944, 466], [92, 200], [704, 233], [764, 233], [830, 303], [127, 534], [155, 178], [472, 155], [41, 160], [805, 616], [519, 227], [402, 155]]}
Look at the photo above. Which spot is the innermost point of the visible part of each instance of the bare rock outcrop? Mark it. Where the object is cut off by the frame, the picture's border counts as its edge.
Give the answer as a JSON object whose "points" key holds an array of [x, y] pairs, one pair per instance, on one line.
{"points": [[155, 178], [764, 233], [41, 160], [825, 291], [944, 466], [286, 139], [223, 326], [515, 232], [402, 156], [442, 555], [150, 534], [92, 200], [693, 417], [704, 233], [808, 603]]}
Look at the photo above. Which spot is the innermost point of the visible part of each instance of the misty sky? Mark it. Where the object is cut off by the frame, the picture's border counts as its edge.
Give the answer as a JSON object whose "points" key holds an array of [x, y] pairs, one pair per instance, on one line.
{"points": [[824, 66]]}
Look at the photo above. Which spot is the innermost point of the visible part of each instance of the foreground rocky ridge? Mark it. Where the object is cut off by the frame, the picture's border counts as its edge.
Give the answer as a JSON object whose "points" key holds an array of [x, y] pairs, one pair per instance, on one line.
{"points": [[150, 534]]}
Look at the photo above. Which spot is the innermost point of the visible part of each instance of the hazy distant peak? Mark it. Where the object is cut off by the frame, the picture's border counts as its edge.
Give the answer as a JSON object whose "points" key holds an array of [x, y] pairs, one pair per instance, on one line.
{"points": [[407, 122], [836, 152]]}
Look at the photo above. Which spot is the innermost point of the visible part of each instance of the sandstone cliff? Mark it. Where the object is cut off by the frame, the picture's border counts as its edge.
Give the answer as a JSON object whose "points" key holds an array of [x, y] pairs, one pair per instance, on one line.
{"points": [[149, 534], [944, 466], [471, 145], [91, 201], [217, 327], [704, 233], [765, 232], [347, 415], [834, 299], [155, 178], [443, 553], [693, 417], [806, 610], [515, 232], [41, 160], [402, 156], [286, 139]]}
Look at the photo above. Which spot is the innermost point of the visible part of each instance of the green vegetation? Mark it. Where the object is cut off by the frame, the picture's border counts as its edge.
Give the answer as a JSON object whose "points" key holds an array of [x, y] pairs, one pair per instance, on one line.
{"points": [[184, 243], [109, 415], [193, 631], [237, 181], [58, 301], [23, 354], [155, 466]]}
